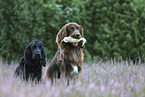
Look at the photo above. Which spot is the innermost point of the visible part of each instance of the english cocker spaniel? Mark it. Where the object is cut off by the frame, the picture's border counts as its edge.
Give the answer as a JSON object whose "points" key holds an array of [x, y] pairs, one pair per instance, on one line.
{"points": [[31, 63]]}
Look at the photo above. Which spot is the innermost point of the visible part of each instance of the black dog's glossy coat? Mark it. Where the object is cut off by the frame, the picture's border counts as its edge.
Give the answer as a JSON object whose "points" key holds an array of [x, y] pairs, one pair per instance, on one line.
{"points": [[31, 63]]}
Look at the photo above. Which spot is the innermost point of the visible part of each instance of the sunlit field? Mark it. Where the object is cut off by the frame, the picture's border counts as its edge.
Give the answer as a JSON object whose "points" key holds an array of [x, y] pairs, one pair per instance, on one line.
{"points": [[101, 79]]}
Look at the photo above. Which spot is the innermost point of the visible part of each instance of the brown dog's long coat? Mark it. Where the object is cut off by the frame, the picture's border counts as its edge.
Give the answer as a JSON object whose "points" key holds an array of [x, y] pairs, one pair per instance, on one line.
{"points": [[71, 54]]}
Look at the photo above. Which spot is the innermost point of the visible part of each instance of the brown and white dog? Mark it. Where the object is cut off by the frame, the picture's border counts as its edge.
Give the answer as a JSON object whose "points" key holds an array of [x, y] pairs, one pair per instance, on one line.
{"points": [[68, 59]]}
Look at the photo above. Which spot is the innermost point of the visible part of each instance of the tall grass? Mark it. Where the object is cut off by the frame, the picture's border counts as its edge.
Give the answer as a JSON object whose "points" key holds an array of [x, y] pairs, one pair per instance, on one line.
{"points": [[102, 79]]}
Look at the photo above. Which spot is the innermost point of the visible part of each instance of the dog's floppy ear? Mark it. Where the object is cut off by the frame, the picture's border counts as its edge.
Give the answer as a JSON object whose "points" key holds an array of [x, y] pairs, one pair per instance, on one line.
{"points": [[81, 31], [43, 60], [61, 34], [28, 55], [22, 61], [82, 34]]}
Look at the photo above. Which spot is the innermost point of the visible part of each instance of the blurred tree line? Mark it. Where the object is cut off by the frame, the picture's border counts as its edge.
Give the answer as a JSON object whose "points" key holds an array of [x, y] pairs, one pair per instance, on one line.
{"points": [[113, 28]]}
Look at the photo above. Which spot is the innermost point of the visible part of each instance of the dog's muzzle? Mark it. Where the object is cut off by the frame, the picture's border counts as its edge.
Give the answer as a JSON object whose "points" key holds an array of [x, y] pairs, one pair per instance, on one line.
{"points": [[37, 55], [76, 34]]}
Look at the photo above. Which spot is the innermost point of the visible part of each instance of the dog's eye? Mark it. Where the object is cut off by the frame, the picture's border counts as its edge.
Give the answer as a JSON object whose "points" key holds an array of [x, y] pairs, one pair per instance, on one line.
{"points": [[40, 46], [34, 46], [77, 28], [71, 29]]}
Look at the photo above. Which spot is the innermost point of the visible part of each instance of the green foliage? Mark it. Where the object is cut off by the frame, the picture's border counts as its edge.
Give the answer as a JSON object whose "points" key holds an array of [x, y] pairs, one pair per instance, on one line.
{"points": [[113, 28], [26, 20]]}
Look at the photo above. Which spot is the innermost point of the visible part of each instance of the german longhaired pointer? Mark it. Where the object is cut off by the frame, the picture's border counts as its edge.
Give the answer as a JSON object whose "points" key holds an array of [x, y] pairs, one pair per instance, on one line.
{"points": [[31, 63], [68, 59]]}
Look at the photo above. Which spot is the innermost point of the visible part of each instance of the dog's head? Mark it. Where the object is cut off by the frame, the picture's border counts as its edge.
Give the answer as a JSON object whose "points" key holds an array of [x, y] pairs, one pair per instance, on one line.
{"points": [[35, 51], [71, 29]]}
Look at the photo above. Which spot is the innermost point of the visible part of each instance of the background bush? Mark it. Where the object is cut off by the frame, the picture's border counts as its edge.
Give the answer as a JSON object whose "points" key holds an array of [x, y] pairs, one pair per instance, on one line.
{"points": [[113, 28]]}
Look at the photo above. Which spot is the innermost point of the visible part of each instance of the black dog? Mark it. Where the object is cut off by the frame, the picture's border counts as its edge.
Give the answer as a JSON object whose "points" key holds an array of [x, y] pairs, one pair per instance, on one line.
{"points": [[31, 63]]}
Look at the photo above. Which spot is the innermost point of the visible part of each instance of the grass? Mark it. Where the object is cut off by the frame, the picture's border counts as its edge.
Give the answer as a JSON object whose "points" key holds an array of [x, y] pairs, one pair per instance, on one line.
{"points": [[102, 79]]}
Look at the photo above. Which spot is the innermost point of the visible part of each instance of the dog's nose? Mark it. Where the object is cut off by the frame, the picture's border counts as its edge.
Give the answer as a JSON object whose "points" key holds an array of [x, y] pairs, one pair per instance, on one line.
{"points": [[77, 34], [38, 53]]}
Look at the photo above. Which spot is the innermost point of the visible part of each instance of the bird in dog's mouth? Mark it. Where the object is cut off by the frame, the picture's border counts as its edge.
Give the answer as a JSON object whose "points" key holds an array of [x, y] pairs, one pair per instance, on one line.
{"points": [[74, 41]]}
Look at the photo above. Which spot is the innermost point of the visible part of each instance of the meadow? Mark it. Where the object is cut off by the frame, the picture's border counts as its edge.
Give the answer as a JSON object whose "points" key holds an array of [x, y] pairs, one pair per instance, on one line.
{"points": [[98, 79]]}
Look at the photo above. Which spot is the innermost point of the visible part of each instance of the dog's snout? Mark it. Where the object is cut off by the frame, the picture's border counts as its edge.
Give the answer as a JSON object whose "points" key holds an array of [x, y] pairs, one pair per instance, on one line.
{"points": [[38, 53]]}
